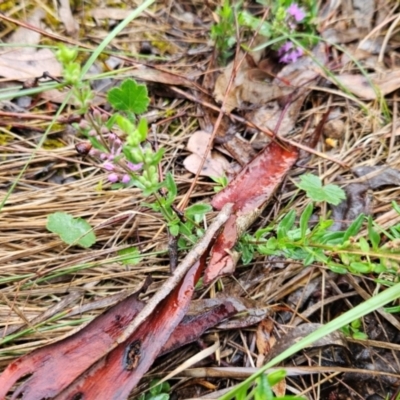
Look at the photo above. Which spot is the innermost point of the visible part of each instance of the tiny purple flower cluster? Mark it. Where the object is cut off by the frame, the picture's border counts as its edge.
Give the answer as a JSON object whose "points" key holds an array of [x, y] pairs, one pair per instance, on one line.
{"points": [[296, 12], [288, 53], [111, 162]]}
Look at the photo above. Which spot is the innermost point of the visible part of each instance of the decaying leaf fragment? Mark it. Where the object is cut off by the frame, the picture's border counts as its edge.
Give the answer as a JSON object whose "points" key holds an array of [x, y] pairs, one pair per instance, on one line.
{"points": [[372, 86], [359, 195], [215, 164], [78, 351], [299, 332], [250, 191], [27, 62], [249, 85]]}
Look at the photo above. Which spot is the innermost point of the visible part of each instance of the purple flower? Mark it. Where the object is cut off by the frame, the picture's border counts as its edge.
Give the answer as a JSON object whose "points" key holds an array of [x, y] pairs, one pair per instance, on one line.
{"points": [[113, 177], [296, 12], [134, 167], [289, 54], [285, 48]]}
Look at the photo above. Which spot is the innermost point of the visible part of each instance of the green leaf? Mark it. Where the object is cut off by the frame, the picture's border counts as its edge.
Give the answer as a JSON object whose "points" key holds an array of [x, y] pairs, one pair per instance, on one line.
{"points": [[161, 396], [356, 324], [124, 124], [305, 217], [198, 209], [129, 97], [263, 390], [309, 260], [130, 256], [285, 225], [359, 336], [360, 268], [364, 246], [276, 377], [332, 238], [312, 185], [157, 156], [142, 129], [171, 187], [373, 235], [185, 229], [396, 207], [174, 229], [71, 230], [337, 268], [354, 228]]}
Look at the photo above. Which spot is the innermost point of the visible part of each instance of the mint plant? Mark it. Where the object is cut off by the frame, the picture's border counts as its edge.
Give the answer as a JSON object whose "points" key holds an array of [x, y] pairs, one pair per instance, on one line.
{"points": [[223, 33]]}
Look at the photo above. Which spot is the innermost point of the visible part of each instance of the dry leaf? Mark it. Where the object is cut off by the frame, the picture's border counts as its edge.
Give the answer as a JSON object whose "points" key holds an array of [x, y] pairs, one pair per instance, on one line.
{"points": [[25, 63], [215, 164], [360, 85], [299, 332], [26, 36], [281, 116], [19, 65], [358, 201], [376, 177], [363, 13], [249, 85], [335, 35], [108, 13]]}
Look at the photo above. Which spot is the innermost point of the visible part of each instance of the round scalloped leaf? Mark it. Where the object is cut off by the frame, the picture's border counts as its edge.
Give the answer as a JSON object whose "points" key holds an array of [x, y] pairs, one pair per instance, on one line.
{"points": [[73, 231]]}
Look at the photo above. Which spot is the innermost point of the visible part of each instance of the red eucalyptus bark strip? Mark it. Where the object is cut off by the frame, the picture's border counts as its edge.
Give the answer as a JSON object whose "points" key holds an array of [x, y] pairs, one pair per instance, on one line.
{"points": [[55, 366], [249, 192]]}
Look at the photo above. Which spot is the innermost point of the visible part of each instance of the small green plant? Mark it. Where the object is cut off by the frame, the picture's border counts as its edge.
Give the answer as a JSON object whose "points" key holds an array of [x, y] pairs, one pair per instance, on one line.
{"points": [[223, 33], [157, 392], [222, 182], [353, 330], [263, 388], [120, 144], [342, 252], [315, 191], [284, 19]]}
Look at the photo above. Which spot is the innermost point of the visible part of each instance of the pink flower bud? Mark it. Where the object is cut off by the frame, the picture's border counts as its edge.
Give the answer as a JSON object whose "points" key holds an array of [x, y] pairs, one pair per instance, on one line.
{"points": [[113, 177], [108, 166], [126, 178]]}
